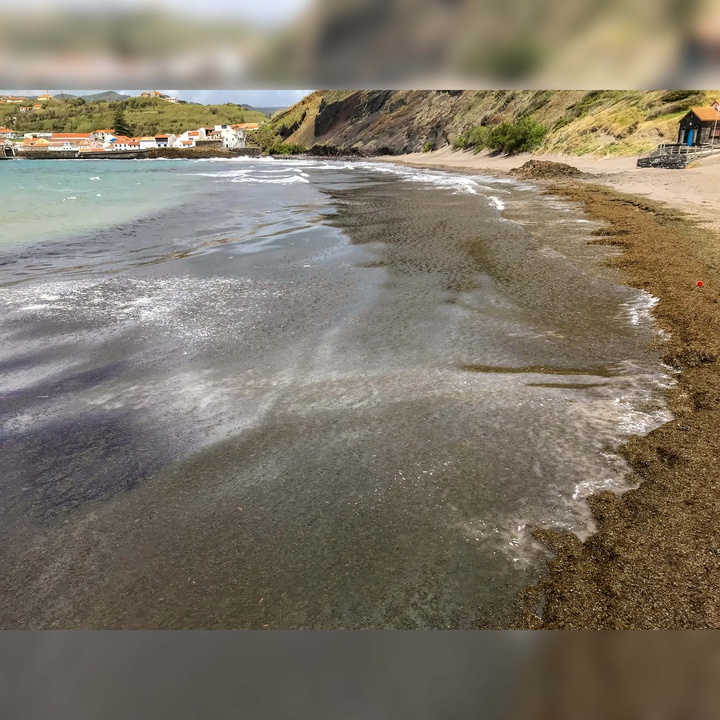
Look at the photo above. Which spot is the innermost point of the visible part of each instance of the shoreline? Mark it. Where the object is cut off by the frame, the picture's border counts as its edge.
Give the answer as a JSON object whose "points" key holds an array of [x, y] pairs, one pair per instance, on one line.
{"points": [[695, 190], [654, 559]]}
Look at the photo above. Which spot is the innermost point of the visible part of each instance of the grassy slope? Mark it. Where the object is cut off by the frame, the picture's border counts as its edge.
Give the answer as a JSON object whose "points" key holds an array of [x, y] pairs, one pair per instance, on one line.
{"points": [[146, 116], [579, 122], [598, 122]]}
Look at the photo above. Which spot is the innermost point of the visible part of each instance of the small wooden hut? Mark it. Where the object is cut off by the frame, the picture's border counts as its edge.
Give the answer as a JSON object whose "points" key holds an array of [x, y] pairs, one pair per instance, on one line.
{"points": [[700, 126]]}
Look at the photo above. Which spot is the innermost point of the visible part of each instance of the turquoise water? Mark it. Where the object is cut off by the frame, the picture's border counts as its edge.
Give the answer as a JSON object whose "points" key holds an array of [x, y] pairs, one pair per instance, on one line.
{"points": [[45, 199]]}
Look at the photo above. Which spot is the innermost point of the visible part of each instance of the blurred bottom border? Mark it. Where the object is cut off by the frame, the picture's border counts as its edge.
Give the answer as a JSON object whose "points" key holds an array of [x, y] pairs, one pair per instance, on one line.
{"points": [[359, 675]]}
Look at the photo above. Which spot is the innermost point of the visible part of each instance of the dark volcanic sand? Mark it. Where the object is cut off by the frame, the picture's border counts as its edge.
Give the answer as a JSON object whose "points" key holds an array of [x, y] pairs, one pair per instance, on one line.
{"points": [[655, 560], [337, 404]]}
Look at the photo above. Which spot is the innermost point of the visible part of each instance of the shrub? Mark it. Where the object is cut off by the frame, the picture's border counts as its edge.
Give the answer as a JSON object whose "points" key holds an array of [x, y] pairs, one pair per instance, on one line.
{"points": [[474, 137], [283, 148], [428, 146], [515, 137]]}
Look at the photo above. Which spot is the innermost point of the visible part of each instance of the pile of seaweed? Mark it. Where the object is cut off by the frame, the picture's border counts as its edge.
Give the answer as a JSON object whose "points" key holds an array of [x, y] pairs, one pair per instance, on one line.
{"points": [[541, 169]]}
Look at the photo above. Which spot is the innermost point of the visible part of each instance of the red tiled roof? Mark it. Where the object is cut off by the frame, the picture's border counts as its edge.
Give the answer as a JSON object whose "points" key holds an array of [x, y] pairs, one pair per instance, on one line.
{"points": [[706, 113], [70, 136]]}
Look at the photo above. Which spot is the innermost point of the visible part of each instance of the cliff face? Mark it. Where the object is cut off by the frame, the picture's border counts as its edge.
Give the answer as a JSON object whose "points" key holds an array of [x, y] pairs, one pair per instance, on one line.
{"points": [[372, 122], [393, 122]]}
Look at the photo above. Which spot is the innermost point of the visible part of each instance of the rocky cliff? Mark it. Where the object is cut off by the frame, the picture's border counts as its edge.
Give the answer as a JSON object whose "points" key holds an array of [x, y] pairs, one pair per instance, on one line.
{"points": [[393, 122]]}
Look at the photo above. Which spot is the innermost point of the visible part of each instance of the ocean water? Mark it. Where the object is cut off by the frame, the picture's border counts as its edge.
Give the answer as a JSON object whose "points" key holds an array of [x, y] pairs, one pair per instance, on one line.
{"points": [[303, 393], [47, 199]]}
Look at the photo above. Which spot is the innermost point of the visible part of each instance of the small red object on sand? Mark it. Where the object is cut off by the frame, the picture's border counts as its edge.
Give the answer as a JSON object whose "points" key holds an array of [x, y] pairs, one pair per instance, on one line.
{"points": [[700, 283]]}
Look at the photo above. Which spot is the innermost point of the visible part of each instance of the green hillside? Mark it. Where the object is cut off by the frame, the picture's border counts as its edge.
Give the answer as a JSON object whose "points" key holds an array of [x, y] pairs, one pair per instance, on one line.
{"points": [[576, 122], [146, 116]]}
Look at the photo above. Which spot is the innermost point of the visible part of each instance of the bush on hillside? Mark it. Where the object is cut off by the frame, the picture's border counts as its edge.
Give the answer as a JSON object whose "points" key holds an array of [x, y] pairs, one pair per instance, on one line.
{"points": [[515, 137], [475, 137], [677, 95], [283, 148], [509, 137]]}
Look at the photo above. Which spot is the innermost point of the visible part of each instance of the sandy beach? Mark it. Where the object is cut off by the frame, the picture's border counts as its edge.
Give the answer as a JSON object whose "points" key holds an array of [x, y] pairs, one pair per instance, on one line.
{"points": [[654, 561]]}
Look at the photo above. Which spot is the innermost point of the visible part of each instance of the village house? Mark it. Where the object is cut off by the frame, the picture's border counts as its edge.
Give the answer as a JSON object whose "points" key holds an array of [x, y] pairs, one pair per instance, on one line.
{"points": [[45, 97], [6, 133], [25, 108], [164, 141], [700, 126], [190, 137], [102, 134], [158, 94], [158, 141], [233, 136], [120, 142], [247, 127], [15, 100], [62, 142], [30, 143]]}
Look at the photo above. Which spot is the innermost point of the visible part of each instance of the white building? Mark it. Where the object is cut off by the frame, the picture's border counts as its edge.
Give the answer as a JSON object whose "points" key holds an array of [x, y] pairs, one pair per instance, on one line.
{"points": [[190, 137], [232, 136], [120, 142], [165, 141]]}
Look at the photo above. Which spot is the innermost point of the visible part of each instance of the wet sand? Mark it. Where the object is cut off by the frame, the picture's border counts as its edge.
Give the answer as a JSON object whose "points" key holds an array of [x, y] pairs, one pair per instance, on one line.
{"points": [[313, 420], [195, 541], [654, 560], [695, 190]]}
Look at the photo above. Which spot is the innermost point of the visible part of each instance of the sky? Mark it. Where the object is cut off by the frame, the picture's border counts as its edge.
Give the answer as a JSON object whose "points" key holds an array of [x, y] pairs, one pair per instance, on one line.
{"points": [[256, 98], [267, 14]]}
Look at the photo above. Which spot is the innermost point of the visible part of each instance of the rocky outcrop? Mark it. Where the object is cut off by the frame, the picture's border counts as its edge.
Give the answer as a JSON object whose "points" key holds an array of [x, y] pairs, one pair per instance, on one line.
{"points": [[377, 122]]}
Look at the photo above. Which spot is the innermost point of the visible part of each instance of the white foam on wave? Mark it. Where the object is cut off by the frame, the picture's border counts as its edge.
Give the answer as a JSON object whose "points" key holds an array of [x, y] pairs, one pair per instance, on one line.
{"points": [[238, 159], [259, 175], [228, 304], [497, 202], [255, 170], [285, 180], [638, 311]]}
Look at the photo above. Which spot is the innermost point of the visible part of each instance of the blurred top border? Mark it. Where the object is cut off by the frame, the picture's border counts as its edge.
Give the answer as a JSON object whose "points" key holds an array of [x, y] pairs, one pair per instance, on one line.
{"points": [[359, 44]]}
